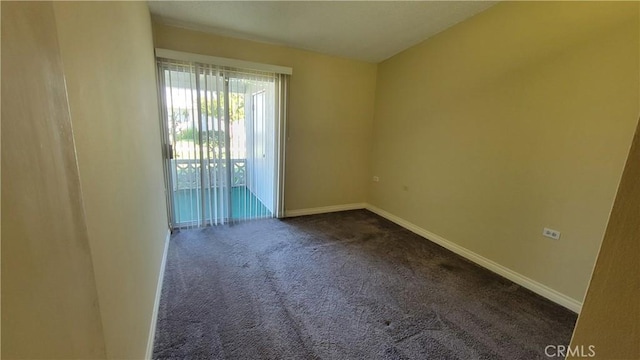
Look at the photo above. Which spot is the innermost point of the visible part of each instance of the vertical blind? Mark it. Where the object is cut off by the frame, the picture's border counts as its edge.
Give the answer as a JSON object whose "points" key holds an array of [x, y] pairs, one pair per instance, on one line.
{"points": [[224, 131]]}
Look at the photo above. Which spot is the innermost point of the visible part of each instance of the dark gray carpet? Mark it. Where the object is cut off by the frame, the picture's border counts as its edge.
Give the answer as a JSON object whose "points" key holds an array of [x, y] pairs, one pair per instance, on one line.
{"points": [[348, 285]]}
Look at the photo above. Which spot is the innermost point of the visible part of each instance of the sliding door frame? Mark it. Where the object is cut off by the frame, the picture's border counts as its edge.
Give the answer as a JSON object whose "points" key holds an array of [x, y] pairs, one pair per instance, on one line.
{"points": [[281, 106], [167, 149], [282, 97]]}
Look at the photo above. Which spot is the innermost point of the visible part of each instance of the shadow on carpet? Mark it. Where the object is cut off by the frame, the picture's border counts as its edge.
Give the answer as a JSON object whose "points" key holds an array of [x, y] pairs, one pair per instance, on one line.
{"points": [[347, 285]]}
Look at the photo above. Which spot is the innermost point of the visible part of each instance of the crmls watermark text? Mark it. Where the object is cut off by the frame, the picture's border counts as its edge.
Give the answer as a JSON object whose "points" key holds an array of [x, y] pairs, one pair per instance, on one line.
{"points": [[563, 351]]}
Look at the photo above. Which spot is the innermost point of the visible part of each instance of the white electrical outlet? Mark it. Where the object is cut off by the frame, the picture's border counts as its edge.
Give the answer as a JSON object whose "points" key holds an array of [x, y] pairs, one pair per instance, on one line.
{"points": [[550, 233], [376, 179]]}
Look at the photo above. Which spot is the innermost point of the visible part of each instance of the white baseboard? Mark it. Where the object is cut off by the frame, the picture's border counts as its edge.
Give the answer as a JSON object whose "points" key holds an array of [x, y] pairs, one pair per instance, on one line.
{"points": [[517, 278], [156, 303], [324, 209]]}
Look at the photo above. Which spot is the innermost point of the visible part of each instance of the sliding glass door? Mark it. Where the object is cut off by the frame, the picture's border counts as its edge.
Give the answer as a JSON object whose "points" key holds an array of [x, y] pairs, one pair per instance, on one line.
{"points": [[223, 134]]}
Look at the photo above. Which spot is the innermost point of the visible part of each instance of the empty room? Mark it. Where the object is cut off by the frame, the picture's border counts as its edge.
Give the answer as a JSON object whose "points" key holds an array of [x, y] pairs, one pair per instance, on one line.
{"points": [[320, 180]]}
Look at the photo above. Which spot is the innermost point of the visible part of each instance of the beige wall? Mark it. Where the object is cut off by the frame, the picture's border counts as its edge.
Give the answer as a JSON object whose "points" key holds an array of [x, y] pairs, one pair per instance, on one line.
{"points": [[609, 320], [83, 210], [330, 115], [109, 64], [0, 188], [49, 299], [517, 119]]}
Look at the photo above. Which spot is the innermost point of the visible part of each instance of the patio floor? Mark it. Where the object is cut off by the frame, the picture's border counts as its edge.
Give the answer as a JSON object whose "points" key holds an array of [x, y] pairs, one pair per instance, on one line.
{"points": [[244, 205]]}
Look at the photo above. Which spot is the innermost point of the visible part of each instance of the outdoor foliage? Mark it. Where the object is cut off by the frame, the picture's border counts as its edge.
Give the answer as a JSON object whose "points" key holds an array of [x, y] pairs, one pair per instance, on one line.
{"points": [[213, 107], [211, 110]]}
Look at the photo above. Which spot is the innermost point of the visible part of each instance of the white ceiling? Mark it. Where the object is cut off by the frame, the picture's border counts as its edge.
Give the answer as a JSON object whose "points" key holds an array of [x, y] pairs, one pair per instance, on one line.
{"points": [[364, 30]]}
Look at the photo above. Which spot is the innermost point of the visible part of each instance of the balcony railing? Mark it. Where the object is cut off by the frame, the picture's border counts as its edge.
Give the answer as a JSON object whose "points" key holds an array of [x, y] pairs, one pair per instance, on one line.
{"points": [[186, 173]]}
